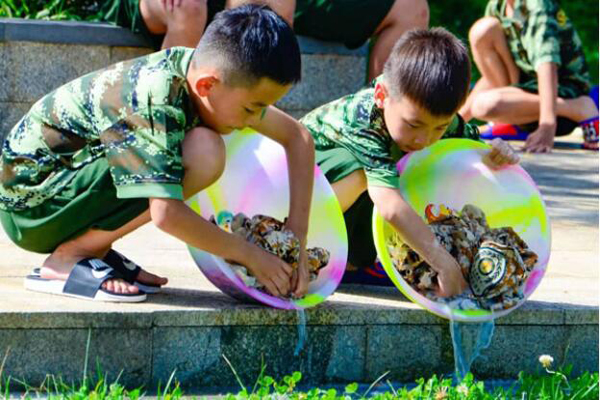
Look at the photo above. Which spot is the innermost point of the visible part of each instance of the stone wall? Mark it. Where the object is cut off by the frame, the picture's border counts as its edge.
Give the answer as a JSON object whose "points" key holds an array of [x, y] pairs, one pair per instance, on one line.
{"points": [[36, 57], [346, 342]]}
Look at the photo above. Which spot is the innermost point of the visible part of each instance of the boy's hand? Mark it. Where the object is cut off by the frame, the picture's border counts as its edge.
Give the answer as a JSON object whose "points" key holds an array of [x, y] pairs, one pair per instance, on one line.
{"points": [[500, 155], [417, 235], [271, 271], [301, 276], [450, 278], [542, 140]]}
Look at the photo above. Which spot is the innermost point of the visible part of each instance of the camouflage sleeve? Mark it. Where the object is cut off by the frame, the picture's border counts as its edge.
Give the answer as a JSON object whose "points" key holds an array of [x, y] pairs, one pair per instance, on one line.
{"points": [[491, 10], [144, 153], [458, 128], [540, 35], [373, 151]]}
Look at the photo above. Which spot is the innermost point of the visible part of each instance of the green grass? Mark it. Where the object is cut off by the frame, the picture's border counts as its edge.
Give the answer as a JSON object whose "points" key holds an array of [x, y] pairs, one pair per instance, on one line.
{"points": [[547, 385]]}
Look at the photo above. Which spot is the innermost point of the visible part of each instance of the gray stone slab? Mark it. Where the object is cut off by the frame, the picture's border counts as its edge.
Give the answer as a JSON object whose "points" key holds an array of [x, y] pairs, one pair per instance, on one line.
{"points": [[241, 316], [75, 32], [407, 352], [347, 362], [196, 354], [581, 348], [245, 346], [313, 46], [70, 320], [118, 54], [10, 114], [407, 317], [36, 69], [27, 75], [516, 348], [34, 353], [68, 32], [581, 315], [225, 311], [535, 313], [325, 78], [5, 81]]}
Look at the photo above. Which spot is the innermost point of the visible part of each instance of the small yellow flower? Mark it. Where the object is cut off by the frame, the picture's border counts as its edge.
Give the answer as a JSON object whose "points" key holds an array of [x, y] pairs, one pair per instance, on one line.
{"points": [[546, 360], [463, 389], [442, 393]]}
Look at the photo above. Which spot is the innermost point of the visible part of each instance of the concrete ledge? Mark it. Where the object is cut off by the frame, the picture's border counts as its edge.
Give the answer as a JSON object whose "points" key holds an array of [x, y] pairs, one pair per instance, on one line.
{"points": [[347, 340], [224, 311], [74, 32], [68, 32]]}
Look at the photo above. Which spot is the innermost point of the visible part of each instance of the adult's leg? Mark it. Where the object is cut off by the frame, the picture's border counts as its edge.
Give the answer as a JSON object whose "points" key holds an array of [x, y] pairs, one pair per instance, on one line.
{"points": [[183, 24], [493, 58], [203, 162], [515, 106], [403, 16]]}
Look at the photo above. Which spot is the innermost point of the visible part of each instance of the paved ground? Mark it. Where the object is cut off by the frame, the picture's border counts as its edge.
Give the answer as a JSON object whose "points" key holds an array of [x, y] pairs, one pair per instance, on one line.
{"points": [[568, 179]]}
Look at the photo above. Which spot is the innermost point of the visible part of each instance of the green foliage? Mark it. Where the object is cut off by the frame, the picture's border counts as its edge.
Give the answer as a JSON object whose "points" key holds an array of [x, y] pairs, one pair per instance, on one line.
{"points": [[48, 10], [584, 15], [555, 385], [552, 385]]}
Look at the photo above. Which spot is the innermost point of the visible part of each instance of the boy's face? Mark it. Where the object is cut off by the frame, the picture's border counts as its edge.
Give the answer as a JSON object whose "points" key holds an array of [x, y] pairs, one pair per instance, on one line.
{"points": [[411, 127], [226, 108]]}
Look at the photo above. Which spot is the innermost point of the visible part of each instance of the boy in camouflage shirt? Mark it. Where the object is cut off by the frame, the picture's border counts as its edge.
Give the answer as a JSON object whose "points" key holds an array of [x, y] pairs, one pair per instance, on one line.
{"points": [[106, 153], [359, 139], [535, 83]]}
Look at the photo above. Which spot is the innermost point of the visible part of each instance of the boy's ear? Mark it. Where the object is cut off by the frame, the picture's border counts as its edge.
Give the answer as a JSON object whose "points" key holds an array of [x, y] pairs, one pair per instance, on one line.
{"points": [[380, 94], [204, 84]]}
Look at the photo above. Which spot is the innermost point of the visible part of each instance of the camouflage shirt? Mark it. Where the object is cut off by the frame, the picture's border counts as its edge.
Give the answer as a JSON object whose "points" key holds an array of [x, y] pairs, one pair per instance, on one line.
{"points": [[355, 123], [134, 113], [540, 32]]}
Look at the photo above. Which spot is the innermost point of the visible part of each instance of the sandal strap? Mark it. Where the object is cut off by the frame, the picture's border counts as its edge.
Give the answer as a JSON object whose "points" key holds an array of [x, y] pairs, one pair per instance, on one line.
{"points": [[87, 276], [127, 268]]}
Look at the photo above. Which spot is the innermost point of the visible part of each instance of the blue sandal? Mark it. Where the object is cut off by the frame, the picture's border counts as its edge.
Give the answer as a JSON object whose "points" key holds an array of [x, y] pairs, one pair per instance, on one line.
{"points": [[84, 282], [127, 268]]}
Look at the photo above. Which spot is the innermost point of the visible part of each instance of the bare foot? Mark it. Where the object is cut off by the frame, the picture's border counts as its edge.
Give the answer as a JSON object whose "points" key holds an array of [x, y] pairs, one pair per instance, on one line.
{"points": [[148, 278]]}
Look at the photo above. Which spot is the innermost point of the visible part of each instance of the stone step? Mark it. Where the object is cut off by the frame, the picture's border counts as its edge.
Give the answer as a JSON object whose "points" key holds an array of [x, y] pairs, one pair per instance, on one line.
{"points": [[356, 336], [36, 57]]}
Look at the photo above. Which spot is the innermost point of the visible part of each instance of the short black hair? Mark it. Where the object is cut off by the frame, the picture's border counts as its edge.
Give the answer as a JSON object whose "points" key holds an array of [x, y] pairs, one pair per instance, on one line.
{"points": [[248, 43], [431, 67]]}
